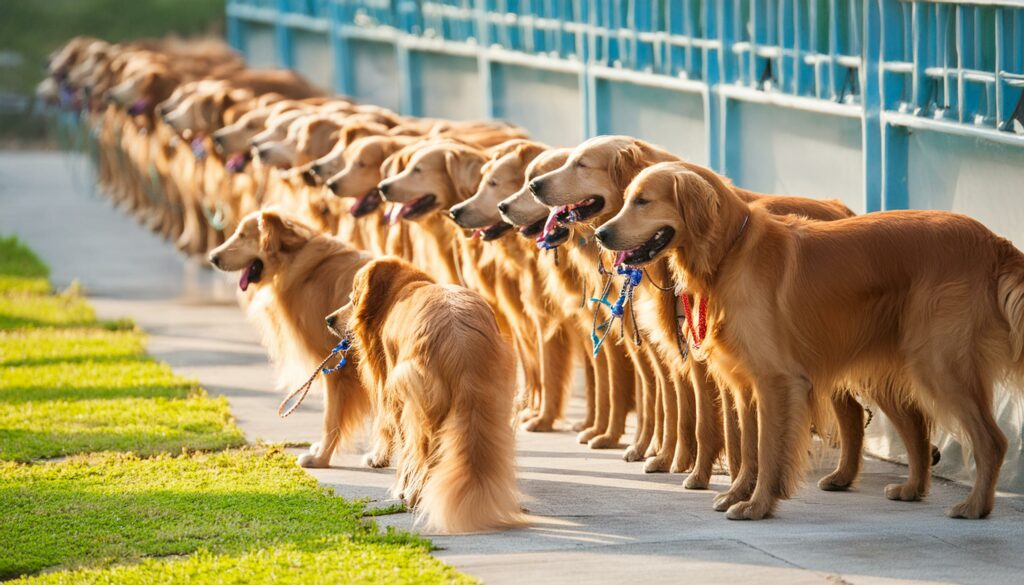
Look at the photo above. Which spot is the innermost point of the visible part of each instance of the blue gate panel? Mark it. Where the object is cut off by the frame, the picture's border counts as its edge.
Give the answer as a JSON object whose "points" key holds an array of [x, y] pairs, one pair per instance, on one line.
{"points": [[260, 45], [787, 151], [448, 86], [970, 176], [547, 103], [669, 118], [375, 74], [313, 58]]}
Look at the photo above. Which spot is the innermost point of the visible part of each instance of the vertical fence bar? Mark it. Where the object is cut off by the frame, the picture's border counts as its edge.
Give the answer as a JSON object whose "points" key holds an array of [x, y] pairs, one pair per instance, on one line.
{"points": [[340, 51], [283, 37], [871, 129]]}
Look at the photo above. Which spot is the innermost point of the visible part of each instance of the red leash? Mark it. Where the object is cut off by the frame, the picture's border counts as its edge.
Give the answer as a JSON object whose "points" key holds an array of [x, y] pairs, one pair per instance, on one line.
{"points": [[701, 331]]}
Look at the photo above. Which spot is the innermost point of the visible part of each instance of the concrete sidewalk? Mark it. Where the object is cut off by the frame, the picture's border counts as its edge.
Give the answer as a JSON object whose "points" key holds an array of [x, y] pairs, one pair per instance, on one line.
{"points": [[597, 518]]}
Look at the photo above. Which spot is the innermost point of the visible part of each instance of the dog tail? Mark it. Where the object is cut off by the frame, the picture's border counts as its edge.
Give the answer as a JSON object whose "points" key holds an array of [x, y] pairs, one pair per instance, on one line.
{"points": [[1010, 288], [472, 487]]}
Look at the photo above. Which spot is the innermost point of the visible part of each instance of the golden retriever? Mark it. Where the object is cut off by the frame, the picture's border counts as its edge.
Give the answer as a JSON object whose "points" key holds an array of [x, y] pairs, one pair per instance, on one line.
{"points": [[291, 277], [439, 366], [934, 295]]}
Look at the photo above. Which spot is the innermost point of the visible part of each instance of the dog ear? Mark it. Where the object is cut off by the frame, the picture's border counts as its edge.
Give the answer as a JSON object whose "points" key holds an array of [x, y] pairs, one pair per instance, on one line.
{"points": [[528, 151], [697, 201], [463, 168], [626, 164], [280, 233]]}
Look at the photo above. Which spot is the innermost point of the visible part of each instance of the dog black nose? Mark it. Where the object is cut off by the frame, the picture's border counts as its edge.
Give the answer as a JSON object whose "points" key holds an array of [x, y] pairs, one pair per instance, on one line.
{"points": [[454, 213], [383, 188], [332, 186], [215, 260], [331, 320], [535, 186], [218, 140], [503, 207], [602, 234]]}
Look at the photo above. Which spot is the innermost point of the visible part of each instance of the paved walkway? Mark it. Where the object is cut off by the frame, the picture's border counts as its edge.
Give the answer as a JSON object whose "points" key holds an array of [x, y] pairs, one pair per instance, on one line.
{"points": [[597, 518]]}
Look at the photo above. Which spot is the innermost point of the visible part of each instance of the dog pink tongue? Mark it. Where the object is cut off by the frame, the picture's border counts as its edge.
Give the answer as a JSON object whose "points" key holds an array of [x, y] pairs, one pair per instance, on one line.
{"points": [[620, 257], [243, 283], [550, 224], [396, 213], [477, 233]]}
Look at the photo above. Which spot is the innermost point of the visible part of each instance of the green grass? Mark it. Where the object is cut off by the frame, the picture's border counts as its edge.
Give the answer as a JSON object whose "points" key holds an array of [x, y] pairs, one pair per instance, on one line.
{"points": [[156, 484], [21, 271], [250, 511]]}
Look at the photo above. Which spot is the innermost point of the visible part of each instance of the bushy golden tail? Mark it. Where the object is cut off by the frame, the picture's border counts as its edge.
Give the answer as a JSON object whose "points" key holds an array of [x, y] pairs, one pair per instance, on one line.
{"points": [[472, 486], [1010, 289]]}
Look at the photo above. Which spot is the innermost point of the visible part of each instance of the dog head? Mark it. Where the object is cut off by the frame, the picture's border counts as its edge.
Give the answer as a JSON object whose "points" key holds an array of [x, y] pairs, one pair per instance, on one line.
{"points": [[260, 245], [140, 92], [501, 176], [589, 187], [522, 209], [437, 176], [202, 112], [234, 139], [375, 289], [358, 179], [675, 206]]}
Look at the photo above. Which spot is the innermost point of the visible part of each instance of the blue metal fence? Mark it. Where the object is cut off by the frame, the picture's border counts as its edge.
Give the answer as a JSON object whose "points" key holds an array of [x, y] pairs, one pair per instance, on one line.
{"points": [[882, 103]]}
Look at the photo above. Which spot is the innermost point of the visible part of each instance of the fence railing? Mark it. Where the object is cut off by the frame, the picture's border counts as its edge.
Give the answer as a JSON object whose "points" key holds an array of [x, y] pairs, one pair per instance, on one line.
{"points": [[813, 97]]}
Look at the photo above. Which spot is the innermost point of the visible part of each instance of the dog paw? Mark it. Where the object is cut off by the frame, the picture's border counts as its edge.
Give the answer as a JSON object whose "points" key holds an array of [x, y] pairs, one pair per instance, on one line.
{"points": [[749, 510], [681, 464], [376, 460], [903, 492], [603, 442], [585, 435], [316, 448], [311, 461], [725, 500], [696, 482], [526, 414], [834, 482], [538, 425], [656, 465], [631, 454], [581, 426], [968, 510]]}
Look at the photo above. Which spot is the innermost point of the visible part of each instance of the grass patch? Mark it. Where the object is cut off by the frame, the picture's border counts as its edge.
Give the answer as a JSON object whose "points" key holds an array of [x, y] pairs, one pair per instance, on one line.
{"points": [[154, 486], [251, 512], [65, 392], [386, 510], [21, 271]]}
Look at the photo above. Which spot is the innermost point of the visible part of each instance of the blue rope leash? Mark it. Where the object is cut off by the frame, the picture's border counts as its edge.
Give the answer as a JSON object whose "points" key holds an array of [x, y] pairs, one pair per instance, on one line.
{"points": [[341, 348], [295, 398], [633, 277]]}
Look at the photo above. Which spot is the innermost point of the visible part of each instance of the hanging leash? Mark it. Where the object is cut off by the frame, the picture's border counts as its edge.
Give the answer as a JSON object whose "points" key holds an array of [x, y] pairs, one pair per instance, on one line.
{"points": [[295, 398], [633, 276]]}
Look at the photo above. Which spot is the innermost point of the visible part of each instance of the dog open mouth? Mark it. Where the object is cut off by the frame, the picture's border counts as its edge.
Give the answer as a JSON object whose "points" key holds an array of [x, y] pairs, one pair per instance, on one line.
{"points": [[251, 274], [310, 178], [417, 207], [237, 162], [646, 251], [366, 204], [492, 232], [533, 230], [581, 211]]}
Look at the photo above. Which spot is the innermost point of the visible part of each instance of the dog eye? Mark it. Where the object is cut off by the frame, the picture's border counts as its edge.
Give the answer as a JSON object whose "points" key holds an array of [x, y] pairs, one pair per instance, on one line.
{"points": [[416, 169], [360, 164], [492, 183], [640, 201], [579, 165]]}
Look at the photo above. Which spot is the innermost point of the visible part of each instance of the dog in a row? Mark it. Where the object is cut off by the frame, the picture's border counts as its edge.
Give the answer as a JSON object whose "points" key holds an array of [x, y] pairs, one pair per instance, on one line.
{"points": [[586, 256]]}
